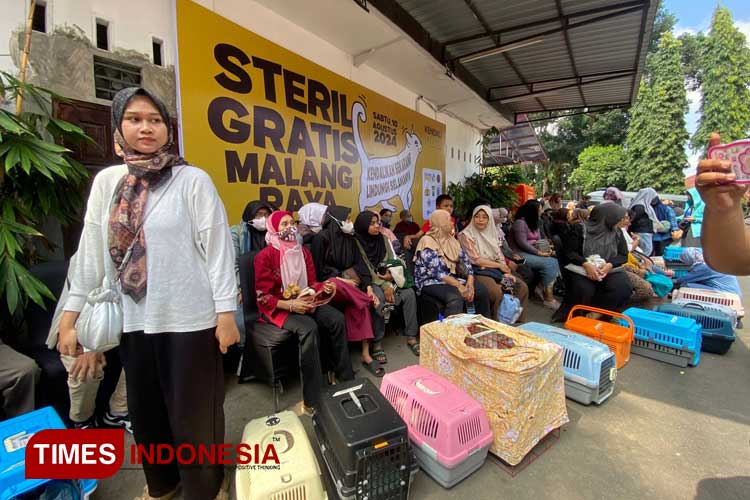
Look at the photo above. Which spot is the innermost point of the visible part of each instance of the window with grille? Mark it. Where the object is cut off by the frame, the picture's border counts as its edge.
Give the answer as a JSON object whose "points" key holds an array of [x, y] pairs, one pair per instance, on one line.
{"points": [[112, 76]]}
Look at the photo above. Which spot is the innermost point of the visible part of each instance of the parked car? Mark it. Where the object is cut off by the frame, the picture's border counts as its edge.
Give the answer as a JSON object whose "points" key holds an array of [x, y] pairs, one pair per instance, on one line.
{"points": [[679, 200]]}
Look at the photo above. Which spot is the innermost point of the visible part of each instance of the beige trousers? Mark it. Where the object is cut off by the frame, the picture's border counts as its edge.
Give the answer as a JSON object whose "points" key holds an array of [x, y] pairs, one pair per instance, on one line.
{"points": [[83, 393]]}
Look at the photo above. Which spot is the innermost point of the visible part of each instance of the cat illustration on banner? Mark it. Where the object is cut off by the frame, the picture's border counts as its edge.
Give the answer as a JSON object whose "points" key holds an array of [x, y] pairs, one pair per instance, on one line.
{"points": [[386, 177]]}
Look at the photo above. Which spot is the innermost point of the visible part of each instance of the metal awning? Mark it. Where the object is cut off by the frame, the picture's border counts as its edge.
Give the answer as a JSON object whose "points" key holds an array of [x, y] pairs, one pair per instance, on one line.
{"points": [[514, 145], [527, 56]]}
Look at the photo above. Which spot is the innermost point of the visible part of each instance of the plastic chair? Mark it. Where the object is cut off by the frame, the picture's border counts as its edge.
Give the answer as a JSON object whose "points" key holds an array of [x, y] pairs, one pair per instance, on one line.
{"points": [[266, 362]]}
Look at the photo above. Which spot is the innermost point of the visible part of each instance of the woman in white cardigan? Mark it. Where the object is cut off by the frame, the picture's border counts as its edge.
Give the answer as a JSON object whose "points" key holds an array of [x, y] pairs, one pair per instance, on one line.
{"points": [[178, 290]]}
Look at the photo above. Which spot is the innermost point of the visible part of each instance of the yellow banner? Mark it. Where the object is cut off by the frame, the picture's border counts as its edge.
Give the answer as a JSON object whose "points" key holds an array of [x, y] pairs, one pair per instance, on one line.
{"points": [[268, 124]]}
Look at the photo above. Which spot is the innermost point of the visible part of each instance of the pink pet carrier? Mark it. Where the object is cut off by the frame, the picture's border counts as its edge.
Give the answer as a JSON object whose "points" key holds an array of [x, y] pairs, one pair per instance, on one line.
{"points": [[449, 429]]}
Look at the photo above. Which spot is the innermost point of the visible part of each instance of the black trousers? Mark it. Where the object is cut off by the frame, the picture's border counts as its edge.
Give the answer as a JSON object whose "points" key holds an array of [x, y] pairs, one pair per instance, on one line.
{"points": [[611, 293], [322, 333], [175, 385], [454, 303]]}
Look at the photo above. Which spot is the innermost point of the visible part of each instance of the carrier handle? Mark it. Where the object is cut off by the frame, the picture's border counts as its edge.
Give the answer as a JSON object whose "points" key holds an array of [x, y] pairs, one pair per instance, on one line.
{"points": [[695, 305], [606, 313]]}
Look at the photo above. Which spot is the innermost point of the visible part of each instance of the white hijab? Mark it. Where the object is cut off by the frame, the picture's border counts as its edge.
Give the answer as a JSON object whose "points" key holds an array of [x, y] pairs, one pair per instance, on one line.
{"points": [[312, 214], [486, 240]]}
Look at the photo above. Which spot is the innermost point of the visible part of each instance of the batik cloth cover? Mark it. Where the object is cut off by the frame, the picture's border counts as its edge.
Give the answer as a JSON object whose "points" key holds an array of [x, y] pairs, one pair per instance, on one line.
{"points": [[521, 388]]}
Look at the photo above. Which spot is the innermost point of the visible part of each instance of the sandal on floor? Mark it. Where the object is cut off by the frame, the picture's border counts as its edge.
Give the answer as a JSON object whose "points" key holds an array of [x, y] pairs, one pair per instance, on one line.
{"points": [[146, 496], [414, 348], [379, 356], [374, 367]]}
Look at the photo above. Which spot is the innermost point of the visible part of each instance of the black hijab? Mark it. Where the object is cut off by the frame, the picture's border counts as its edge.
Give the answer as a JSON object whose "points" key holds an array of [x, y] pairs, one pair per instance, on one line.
{"points": [[602, 233], [374, 246], [257, 238], [341, 249]]}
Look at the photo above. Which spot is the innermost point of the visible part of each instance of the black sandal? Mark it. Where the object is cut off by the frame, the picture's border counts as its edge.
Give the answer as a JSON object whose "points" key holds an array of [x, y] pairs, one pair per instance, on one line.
{"points": [[414, 348], [379, 356], [374, 367]]}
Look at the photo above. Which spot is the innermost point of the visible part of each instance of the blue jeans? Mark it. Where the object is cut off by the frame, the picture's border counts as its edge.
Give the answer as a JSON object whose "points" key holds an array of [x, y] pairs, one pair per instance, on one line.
{"points": [[647, 242], [545, 267]]}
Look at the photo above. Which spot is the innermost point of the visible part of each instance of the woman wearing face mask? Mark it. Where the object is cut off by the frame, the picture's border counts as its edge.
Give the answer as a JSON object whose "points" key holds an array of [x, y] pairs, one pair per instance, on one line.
{"points": [[250, 234], [443, 270], [374, 249], [334, 254], [311, 217], [178, 297], [406, 226], [282, 270]]}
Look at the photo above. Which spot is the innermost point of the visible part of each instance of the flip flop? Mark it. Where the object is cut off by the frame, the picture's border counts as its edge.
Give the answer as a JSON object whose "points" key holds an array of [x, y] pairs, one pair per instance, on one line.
{"points": [[414, 348], [379, 356], [374, 367]]}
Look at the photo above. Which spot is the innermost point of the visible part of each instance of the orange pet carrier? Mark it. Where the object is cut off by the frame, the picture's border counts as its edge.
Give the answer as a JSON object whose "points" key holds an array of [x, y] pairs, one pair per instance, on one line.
{"points": [[617, 338]]}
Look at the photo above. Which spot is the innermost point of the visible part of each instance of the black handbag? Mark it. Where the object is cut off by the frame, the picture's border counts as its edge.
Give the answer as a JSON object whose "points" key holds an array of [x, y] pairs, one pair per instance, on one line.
{"points": [[495, 274]]}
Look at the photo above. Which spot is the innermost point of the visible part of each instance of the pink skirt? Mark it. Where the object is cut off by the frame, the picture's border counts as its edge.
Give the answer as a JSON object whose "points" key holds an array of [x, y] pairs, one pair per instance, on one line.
{"points": [[356, 304]]}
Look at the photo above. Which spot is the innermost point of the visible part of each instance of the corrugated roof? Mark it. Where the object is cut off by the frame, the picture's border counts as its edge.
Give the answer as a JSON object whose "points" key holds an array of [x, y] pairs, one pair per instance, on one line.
{"points": [[605, 42]]}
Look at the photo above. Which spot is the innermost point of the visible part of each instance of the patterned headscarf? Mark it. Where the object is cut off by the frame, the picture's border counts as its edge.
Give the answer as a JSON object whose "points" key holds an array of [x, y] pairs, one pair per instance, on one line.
{"points": [[146, 172], [292, 257]]}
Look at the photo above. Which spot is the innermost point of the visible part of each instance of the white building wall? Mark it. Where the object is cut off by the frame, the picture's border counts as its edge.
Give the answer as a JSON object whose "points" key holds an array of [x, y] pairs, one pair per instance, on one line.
{"points": [[132, 24], [268, 24], [154, 19]]}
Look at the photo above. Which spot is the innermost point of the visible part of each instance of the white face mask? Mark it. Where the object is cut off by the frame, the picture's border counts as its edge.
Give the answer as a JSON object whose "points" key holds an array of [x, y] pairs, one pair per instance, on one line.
{"points": [[348, 227], [259, 224]]}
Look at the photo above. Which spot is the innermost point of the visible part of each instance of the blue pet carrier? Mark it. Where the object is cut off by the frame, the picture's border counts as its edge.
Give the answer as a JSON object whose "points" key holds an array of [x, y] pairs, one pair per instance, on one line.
{"points": [[718, 330], [588, 365], [673, 253], [14, 434], [666, 337]]}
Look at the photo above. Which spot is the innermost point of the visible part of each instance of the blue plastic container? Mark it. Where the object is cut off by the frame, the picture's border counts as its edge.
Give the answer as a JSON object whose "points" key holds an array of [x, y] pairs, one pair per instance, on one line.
{"points": [[588, 365], [718, 330], [678, 332], [673, 253], [14, 434]]}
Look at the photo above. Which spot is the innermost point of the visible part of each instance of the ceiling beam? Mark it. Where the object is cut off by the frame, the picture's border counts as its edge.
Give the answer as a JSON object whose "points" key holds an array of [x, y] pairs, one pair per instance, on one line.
{"points": [[580, 110], [488, 30], [569, 48], [565, 26], [625, 72], [644, 17], [588, 12], [392, 10], [578, 83]]}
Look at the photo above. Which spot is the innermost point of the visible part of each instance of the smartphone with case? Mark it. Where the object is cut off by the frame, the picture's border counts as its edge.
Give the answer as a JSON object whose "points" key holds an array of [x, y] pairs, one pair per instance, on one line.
{"points": [[738, 153]]}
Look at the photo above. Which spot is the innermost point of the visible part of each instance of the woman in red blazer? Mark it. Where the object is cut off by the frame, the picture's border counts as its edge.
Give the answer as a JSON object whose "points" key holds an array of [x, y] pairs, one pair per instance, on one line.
{"points": [[283, 270]]}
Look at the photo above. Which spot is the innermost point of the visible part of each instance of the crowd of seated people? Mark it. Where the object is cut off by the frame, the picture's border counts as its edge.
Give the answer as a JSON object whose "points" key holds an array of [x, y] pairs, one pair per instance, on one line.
{"points": [[366, 276]]}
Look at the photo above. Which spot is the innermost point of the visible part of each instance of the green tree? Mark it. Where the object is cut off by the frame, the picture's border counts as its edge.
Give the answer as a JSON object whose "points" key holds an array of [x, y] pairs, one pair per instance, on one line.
{"points": [[599, 167], [657, 133], [664, 22], [38, 179], [725, 79]]}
